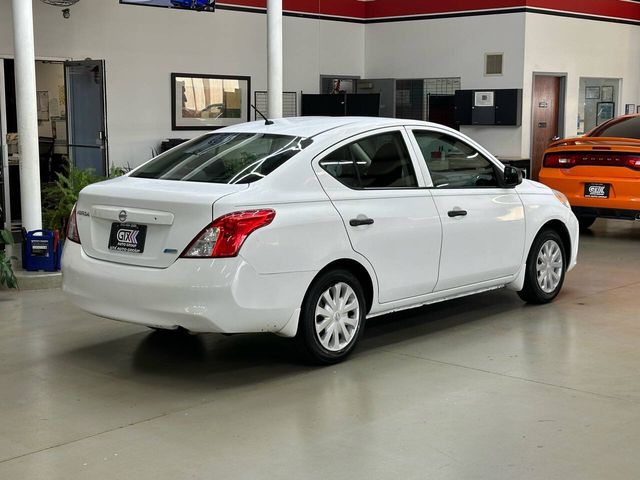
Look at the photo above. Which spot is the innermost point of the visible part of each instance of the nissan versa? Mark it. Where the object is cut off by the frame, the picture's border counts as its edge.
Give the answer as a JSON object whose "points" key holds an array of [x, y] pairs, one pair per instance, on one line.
{"points": [[308, 226]]}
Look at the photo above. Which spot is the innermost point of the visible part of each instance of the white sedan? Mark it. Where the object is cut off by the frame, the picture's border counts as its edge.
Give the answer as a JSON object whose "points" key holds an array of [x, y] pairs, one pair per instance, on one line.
{"points": [[308, 226]]}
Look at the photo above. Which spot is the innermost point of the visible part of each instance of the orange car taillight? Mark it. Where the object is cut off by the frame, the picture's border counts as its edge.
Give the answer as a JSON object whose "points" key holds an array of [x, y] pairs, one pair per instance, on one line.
{"points": [[225, 236], [600, 159]]}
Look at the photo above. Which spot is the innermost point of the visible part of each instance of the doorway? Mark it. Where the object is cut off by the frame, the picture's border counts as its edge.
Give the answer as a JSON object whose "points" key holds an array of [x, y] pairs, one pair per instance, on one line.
{"points": [[547, 119], [71, 127]]}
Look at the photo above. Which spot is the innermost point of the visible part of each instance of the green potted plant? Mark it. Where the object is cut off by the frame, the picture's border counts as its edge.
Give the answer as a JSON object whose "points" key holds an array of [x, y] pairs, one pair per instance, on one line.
{"points": [[7, 276], [60, 196]]}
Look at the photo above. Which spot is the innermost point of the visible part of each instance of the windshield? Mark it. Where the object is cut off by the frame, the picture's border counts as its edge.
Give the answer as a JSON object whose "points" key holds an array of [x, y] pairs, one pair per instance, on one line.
{"points": [[223, 158]]}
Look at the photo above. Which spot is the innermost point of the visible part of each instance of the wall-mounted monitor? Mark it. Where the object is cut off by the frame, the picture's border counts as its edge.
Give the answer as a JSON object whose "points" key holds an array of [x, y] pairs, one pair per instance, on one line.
{"points": [[197, 5]]}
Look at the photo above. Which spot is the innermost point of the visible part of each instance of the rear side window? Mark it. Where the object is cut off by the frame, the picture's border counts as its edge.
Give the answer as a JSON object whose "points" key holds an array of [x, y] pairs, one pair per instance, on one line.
{"points": [[223, 158], [453, 163], [627, 128], [379, 161]]}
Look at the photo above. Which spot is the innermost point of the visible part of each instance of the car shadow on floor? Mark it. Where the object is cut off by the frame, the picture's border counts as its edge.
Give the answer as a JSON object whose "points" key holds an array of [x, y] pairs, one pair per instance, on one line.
{"points": [[230, 361]]}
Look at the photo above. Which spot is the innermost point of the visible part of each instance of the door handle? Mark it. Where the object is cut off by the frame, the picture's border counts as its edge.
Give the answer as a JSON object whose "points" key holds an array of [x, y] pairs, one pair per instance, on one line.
{"points": [[356, 222], [457, 213]]}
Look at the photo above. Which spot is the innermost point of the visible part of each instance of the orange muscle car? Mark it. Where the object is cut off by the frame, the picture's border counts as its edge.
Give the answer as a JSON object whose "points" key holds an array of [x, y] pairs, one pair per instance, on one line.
{"points": [[599, 172]]}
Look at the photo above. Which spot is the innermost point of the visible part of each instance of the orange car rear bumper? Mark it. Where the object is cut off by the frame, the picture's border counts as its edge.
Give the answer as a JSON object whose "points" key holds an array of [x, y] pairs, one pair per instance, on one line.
{"points": [[624, 190]]}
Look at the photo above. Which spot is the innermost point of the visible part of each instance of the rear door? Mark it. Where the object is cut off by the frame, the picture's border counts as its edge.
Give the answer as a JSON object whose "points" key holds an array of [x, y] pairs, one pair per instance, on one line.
{"points": [[86, 115], [391, 219], [483, 227]]}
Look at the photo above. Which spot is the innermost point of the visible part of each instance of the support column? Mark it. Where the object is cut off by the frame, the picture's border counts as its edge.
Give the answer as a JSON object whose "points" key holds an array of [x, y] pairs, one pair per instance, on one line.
{"points": [[274, 58], [26, 102]]}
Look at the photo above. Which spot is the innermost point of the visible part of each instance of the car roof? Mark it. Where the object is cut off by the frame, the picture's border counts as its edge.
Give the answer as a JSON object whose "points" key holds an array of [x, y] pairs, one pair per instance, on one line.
{"points": [[311, 126]]}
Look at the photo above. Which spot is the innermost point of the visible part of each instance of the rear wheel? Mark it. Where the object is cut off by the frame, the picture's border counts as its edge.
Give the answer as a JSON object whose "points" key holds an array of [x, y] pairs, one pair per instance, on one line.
{"points": [[332, 317], [546, 267], [585, 221]]}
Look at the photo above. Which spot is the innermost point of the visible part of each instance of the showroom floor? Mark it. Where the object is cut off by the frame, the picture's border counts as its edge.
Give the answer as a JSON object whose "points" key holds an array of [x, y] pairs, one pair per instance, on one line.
{"points": [[483, 387]]}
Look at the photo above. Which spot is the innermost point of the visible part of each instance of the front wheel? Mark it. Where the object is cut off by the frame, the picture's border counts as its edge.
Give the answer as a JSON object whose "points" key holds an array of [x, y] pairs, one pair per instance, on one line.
{"points": [[332, 317], [546, 266]]}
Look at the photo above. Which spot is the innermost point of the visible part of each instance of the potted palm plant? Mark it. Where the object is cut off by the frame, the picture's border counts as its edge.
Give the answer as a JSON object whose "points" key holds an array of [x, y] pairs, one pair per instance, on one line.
{"points": [[7, 276]]}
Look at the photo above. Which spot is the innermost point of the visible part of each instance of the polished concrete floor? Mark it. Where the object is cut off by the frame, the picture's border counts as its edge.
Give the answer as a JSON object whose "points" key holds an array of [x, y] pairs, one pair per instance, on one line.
{"points": [[478, 388]]}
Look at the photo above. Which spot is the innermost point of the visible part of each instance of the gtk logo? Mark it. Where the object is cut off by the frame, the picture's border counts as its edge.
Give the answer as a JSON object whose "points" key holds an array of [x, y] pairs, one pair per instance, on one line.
{"points": [[596, 190], [126, 235]]}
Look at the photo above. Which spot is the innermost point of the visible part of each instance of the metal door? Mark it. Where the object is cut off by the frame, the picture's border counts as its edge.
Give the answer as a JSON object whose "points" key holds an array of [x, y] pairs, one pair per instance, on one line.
{"points": [[86, 115]]}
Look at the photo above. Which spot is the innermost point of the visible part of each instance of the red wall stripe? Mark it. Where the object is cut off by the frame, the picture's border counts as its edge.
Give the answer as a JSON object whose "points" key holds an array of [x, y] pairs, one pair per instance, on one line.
{"points": [[629, 10]]}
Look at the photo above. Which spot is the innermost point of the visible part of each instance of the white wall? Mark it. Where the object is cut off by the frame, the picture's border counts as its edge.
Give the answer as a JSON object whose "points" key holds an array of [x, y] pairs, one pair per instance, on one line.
{"points": [[580, 48], [142, 46], [453, 47]]}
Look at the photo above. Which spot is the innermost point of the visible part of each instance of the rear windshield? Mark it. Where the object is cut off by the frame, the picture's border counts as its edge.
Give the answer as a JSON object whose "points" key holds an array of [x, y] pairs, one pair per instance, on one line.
{"points": [[223, 158], [627, 128]]}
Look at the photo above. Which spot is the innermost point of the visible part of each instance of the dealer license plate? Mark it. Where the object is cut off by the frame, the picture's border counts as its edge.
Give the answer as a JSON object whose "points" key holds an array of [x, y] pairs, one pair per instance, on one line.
{"points": [[596, 190], [127, 237]]}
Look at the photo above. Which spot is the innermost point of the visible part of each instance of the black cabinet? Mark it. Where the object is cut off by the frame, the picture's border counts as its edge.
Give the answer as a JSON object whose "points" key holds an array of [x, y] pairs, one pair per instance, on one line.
{"points": [[506, 109], [463, 104]]}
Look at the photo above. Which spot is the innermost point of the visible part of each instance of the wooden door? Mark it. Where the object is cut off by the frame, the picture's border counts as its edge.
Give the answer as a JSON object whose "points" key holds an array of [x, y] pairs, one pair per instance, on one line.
{"points": [[546, 99]]}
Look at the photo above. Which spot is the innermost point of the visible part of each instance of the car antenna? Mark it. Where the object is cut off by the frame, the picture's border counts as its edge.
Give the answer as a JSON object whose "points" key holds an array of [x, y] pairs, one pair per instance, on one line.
{"points": [[266, 120]]}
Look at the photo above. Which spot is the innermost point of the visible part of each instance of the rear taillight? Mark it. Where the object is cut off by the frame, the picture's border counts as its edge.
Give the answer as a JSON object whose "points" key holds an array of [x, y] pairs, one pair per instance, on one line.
{"points": [[72, 227], [600, 159], [225, 236]]}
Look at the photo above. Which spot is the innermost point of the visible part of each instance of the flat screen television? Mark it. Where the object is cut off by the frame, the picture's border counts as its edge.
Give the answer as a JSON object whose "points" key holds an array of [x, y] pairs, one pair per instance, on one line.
{"points": [[198, 5]]}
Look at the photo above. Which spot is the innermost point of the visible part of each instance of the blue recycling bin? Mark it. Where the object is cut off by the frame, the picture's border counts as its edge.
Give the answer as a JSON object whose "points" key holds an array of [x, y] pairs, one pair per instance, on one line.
{"points": [[41, 250]]}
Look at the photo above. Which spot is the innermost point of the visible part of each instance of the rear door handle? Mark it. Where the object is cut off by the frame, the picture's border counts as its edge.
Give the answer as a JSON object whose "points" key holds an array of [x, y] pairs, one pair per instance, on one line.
{"points": [[457, 213], [356, 222]]}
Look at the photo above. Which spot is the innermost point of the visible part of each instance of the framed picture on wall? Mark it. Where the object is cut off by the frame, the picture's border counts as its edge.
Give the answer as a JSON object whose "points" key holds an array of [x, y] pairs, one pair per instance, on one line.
{"points": [[606, 111], [638, 109], [207, 102], [592, 93], [629, 108], [607, 93]]}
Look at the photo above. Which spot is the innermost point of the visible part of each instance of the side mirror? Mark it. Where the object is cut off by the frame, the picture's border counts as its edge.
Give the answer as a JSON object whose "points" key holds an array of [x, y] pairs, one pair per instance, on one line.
{"points": [[512, 176]]}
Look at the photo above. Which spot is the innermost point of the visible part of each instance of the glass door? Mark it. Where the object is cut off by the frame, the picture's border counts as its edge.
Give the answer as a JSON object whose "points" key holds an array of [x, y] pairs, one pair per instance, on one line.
{"points": [[86, 117], [5, 201]]}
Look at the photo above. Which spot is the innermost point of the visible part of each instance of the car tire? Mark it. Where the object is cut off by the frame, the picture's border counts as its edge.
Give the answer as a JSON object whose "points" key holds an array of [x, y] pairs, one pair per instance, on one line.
{"points": [[545, 269], [332, 317], [585, 222]]}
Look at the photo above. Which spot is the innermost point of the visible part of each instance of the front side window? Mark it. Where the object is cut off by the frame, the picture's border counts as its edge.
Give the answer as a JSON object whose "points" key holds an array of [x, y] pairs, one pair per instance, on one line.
{"points": [[223, 158], [378, 161], [453, 163]]}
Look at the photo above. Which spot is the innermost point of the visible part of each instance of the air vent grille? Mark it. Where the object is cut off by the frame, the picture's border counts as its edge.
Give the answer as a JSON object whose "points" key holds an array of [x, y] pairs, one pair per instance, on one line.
{"points": [[493, 64]]}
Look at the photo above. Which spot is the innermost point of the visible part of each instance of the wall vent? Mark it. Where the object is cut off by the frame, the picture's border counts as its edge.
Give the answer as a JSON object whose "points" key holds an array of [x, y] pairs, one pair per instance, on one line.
{"points": [[493, 64]]}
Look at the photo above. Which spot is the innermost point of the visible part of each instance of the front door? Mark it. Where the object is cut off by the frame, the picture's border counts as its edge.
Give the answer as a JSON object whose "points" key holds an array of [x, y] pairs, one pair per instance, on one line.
{"points": [[546, 109], [390, 219], [86, 109], [483, 228]]}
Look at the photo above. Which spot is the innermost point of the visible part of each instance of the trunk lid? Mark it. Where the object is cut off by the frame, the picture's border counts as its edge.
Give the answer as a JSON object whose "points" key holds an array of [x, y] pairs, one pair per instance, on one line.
{"points": [[161, 217]]}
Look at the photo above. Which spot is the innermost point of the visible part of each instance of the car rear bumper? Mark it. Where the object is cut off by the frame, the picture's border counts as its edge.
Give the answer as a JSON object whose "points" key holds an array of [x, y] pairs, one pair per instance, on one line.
{"points": [[607, 213], [222, 295], [624, 190]]}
